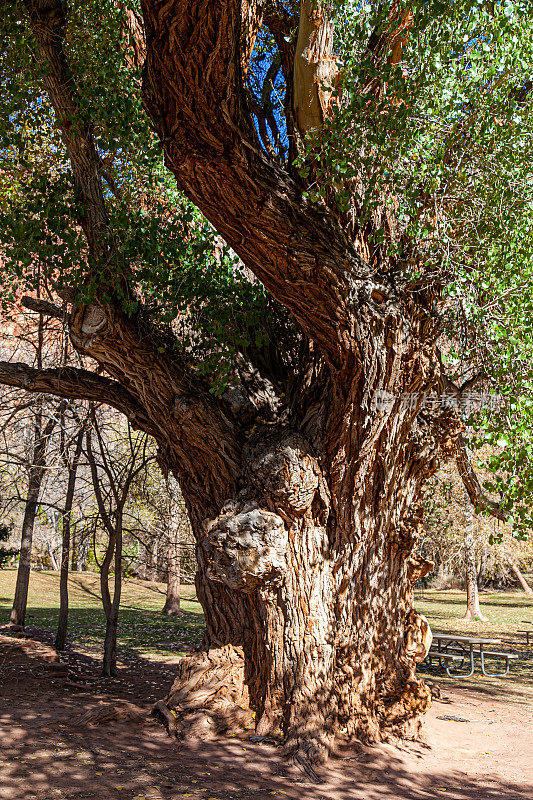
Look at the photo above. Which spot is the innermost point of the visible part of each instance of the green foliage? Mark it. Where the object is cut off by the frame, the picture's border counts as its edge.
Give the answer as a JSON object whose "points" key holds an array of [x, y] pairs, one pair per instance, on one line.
{"points": [[186, 278], [442, 137]]}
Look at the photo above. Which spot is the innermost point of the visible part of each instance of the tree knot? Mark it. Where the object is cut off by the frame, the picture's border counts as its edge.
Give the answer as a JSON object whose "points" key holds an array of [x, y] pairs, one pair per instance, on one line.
{"points": [[245, 547], [417, 637], [285, 472]]}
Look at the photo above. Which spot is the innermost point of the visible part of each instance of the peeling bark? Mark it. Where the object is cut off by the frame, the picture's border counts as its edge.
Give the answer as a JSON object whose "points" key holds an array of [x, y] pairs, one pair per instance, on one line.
{"points": [[315, 66]]}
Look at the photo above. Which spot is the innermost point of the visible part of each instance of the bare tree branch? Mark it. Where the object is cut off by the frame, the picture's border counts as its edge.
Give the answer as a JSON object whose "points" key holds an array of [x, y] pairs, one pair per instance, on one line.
{"points": [[471, 483], [80, 384]]}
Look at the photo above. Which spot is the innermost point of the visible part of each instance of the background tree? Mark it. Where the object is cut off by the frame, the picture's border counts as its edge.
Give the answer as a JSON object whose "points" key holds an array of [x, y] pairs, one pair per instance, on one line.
{"points": [[294, 392], [496, 550], [71, 459], [163, 532], [112, 478], [43, 418]]}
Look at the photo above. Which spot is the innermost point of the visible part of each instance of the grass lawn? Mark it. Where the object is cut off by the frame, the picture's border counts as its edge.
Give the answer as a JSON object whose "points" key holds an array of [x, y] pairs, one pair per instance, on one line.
{"points": [[142, 630], [145, 632]]}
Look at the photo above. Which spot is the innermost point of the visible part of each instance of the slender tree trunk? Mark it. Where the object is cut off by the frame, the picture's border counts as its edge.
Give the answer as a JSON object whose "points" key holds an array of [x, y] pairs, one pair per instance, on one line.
{"points": [[109, 665], [172, 602], [35, 478], [74, 548], [62, 625], [520, 578], [149, 558], [473, 610], [482, 569], [18, 612], [104, 575]]}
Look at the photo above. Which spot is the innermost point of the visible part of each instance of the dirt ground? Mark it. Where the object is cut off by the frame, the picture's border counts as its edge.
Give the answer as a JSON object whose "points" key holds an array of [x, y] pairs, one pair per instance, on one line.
{"points": [[49, 750]]}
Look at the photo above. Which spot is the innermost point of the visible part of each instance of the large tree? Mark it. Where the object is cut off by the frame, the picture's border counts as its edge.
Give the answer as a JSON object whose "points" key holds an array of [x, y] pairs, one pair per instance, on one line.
{"points": [[373, 210]]}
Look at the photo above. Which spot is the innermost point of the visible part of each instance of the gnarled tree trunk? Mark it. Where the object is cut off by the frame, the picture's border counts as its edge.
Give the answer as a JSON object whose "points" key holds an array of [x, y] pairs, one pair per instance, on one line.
{"points": [[305, 526], [308, 600]]}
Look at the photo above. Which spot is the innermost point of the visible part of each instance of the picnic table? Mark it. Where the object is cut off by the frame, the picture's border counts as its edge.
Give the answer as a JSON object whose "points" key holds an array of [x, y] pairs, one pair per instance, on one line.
{"points": [[451, 648]]}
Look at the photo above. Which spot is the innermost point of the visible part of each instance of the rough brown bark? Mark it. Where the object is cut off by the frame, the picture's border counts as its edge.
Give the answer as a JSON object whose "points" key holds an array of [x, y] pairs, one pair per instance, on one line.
{"points": [[72, 383], [305, 526], [301, 639]]}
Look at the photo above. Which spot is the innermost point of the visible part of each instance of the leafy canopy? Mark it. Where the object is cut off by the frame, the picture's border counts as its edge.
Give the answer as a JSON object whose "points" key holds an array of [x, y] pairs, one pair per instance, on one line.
{"points": [[426, 151]]}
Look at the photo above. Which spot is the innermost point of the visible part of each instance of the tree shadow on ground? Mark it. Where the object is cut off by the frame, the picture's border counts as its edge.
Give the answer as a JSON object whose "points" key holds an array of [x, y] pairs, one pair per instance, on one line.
{"points": [[46, 752], [488, 599]]}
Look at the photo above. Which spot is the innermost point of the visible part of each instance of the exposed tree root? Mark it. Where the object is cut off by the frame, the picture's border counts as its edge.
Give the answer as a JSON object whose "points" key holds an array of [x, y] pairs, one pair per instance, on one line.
{"points": [[160, 710], [106, 713], [210, 697], [209, 694], [305, 766]]}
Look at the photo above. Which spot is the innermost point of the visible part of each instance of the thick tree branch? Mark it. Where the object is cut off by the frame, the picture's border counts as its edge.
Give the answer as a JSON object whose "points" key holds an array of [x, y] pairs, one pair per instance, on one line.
{"points": [[193, 91], [76, 384], [471, 482], [191, 426], [42, 307], [48, 24]]}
